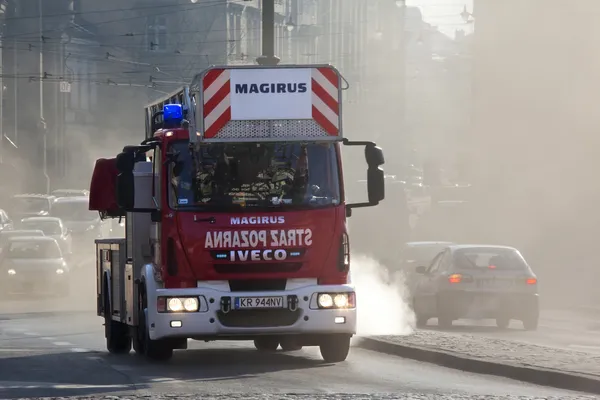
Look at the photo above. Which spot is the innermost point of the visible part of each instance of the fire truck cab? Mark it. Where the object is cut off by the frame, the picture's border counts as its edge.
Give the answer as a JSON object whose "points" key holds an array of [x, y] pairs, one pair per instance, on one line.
{"points": [[235, 217]]}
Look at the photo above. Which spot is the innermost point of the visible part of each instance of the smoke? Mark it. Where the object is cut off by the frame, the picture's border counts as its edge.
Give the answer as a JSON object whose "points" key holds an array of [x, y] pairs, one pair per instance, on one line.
{"points": [[382, 305]]}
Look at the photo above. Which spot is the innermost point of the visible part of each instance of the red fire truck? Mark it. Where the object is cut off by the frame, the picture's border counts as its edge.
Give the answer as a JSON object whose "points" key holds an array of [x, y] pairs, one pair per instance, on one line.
{"points": [[235, 218]]}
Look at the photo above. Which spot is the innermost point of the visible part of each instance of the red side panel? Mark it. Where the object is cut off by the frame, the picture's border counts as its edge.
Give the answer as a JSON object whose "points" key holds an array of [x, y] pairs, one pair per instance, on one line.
{"points": [[103, 186]]}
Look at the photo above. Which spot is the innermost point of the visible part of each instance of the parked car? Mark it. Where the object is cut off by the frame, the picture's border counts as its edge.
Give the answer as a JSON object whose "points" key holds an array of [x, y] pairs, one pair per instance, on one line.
{"points": [[34, 265], [478, 282], [6, 223], [54, 228]]}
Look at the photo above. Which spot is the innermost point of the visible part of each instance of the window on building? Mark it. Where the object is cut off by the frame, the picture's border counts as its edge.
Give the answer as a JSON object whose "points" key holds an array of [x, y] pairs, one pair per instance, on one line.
{"points": [[156, 33]]}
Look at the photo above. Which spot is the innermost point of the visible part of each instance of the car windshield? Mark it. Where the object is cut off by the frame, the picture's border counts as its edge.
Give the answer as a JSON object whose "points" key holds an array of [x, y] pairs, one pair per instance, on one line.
{"points": [[73, 211], [48, 227], [254, 175], [32, 249], [31, 204], [489, 258]]}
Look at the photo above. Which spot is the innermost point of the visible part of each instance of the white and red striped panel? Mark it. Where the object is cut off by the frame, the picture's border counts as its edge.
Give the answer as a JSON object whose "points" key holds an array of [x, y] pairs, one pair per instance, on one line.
{"points": [[217, 100], [325, 103]]}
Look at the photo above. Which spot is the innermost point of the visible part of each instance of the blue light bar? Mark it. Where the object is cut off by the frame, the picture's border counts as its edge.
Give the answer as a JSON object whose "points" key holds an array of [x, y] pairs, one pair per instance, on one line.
{"points": [[172, 113]]}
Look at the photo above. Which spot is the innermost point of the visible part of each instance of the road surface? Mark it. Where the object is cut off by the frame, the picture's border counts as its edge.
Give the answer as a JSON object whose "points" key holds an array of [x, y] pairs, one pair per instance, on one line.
{"points": [[63, 354], [565, 330]]}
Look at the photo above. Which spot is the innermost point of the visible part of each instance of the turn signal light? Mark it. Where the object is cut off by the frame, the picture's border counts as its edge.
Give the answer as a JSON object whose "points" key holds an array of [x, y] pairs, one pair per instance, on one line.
{"points": [[531, 281], [455, 278]]}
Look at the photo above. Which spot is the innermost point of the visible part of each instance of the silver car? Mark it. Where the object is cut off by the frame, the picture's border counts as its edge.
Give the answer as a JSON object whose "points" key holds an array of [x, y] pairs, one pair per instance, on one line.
{"points": [[6, 235], [85, 225], [52, 227], [478, 282], [33, 265]]}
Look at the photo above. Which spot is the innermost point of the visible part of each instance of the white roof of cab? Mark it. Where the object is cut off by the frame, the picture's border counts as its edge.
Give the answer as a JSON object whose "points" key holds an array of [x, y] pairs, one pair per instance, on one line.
{"points": [[41, 219], [72, 199], [21, 232], [479, 246], [32, 239], [427, 243]]}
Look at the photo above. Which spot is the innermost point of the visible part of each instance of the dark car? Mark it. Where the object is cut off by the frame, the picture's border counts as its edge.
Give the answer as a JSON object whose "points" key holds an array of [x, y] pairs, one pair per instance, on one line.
{"points": [[414, 254], [478, 282], [33, 265]]}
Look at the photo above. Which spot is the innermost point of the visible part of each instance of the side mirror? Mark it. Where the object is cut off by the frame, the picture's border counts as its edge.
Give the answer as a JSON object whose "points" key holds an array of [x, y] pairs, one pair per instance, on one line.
{"points": [[374, 156], [375, 175], [375, 184], [421, 270], [125, 191], [125, 182]]}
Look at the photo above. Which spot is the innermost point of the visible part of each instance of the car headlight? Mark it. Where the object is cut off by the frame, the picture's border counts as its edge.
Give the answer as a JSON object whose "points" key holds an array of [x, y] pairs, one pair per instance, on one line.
{"points": [[336, 300], [12, 272], [178, 304], [60, 271]]}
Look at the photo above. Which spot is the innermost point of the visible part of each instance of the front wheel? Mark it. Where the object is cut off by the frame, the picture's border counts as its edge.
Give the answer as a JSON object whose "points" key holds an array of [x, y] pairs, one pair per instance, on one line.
{"points": [[335, 348], [157, 350]]}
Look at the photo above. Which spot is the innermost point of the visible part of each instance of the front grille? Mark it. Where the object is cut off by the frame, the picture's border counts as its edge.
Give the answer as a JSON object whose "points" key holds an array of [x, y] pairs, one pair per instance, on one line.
{"points": [[259, 318], [257, 285], [257, 268]]}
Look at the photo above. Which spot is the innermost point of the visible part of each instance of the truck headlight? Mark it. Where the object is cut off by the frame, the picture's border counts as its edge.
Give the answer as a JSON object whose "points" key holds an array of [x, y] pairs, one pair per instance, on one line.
{"points": [[336, 300], [11, 272], [179, 304], [60, 271]]}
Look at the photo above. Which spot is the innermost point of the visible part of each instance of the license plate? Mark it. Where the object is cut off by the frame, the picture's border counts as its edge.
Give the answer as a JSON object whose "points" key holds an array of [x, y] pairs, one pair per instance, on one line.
{"points": [[258, 302], [495, 284]]}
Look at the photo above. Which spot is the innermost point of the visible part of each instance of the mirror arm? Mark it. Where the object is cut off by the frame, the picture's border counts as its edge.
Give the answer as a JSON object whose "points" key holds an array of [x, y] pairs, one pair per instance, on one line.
{"points": [[349, 207], [348, 142]]}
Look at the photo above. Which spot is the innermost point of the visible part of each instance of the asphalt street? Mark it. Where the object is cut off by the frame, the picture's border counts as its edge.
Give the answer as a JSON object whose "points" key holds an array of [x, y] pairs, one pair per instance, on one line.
{"points": [[63, 354]]}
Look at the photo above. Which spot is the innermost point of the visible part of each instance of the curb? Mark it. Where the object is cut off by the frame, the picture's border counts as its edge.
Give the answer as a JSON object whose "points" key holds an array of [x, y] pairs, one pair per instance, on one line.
{"points": [[538, 376]]}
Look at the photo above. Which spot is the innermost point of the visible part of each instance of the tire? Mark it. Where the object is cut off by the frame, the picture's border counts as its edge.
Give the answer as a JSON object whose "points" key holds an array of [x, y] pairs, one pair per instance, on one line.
{"points": [[444, 319], [116, 333], [421, 320], [266, 344], [335, 348], [290, 344], [444, 322], [155, 350], [531, 323], [502, 322]]}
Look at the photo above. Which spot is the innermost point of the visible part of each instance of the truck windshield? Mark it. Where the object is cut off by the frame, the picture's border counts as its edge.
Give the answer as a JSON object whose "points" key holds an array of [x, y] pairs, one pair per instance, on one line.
{"points": [[261, 175]]}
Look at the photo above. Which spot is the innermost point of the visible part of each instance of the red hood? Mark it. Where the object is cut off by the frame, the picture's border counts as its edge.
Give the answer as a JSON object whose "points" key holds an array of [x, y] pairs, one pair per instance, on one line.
{"points": [[297, 244]]}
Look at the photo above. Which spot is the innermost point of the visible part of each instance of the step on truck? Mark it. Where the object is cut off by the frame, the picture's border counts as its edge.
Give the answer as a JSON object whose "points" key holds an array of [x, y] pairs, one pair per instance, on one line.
{"points": [[235, 217]]}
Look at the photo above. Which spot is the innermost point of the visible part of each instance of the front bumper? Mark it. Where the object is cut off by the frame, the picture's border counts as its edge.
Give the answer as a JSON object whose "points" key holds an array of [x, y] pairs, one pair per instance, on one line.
{"points": [[212, 322]]}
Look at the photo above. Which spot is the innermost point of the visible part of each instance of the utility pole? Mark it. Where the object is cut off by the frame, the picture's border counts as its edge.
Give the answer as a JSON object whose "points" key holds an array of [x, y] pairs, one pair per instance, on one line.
{"points": [[43, 128], [268, 34]]}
